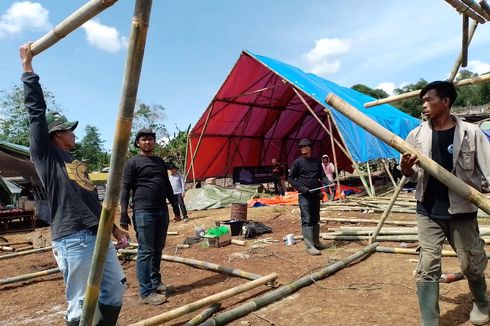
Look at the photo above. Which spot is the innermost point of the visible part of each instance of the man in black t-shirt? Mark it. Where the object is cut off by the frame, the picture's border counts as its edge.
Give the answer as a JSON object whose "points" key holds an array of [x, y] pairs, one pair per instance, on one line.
{"points": [[73, 204], [461, 148], [307, 176], [146, 177]]}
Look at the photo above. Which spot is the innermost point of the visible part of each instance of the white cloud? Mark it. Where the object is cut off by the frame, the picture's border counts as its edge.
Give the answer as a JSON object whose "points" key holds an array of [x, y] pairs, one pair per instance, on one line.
{"points": [[324, 58], [104, 37], [387, 87], [24, 16], [478, 66]]}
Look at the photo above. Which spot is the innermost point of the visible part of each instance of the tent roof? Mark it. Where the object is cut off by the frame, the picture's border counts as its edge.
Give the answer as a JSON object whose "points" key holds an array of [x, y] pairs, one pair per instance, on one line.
{"points": [[15, 161], [256, 116]]}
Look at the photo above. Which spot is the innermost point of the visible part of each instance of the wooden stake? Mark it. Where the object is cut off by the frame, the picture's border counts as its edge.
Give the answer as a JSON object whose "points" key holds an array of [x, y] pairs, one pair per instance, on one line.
{"points": [[465, 42], [444, 176]]}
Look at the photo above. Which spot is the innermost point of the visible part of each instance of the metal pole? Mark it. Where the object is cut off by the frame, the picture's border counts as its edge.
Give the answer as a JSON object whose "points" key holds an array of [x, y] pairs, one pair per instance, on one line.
{"points": [[132, 73], [75, 20]]}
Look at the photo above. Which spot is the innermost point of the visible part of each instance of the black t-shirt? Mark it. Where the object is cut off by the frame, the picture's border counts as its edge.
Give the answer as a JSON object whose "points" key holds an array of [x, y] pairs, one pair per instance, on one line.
{"points": [[436, 198]]}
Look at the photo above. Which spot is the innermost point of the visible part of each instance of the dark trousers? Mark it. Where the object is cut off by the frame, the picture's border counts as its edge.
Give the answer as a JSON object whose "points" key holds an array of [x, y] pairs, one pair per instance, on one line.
{"points": [[151, 232], [309, 205], [278, 189], [180, 207]]}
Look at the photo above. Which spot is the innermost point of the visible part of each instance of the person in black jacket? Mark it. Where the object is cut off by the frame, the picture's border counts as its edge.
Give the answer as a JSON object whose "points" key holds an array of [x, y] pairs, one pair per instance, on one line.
{"points": [[74, 205], [307, 176], [146, 176]]}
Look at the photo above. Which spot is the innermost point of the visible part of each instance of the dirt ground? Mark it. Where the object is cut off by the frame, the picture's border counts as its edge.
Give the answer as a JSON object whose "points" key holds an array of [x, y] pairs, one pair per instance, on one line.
{"points": [[378, 290]]}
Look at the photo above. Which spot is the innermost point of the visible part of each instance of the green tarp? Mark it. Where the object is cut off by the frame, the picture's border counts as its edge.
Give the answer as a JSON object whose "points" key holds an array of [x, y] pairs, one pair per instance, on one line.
{"points": [[212, 196]]}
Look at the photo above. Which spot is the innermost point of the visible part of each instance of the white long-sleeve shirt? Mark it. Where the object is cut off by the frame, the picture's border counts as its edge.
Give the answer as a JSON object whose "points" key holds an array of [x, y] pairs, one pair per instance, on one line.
{"points": [[178, 183]]}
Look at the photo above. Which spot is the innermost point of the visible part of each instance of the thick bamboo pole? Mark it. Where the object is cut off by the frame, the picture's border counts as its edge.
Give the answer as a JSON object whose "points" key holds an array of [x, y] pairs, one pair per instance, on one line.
{"points": [[175, 313], [25, 253], [342, 148], [205, 314], [409, 251], [484, 5], [466, 10], [134, 62], [469, 81], [371, 186], [459, 59], [202, 264], [387, 169], [408, 231], [394, 238], [6, 248], [287, 289], [75, 20], [28, 276], [363, 220], [465, 41], [477, 8], [388, 209], [444, 176]]}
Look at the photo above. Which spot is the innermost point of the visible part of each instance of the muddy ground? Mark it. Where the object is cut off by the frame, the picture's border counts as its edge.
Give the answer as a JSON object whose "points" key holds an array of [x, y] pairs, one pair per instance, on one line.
{"points": [[378, 290]]}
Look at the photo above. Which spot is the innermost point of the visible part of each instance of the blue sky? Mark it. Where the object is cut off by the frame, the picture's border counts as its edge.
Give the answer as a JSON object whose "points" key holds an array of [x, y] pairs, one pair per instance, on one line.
{"points": [[192, 46]]}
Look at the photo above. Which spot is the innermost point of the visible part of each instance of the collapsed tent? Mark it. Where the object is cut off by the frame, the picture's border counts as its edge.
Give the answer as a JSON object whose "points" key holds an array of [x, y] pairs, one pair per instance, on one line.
{"points": [[260, 112]]}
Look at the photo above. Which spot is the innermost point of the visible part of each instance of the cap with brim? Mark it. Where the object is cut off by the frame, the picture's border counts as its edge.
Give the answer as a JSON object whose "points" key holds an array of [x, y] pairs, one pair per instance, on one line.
{"points": [[58, 122], [143, 132]]}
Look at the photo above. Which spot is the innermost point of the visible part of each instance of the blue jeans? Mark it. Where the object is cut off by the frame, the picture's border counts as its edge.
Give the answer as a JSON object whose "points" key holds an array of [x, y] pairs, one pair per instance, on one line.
{"points": [[151, 232], [73, 254]]}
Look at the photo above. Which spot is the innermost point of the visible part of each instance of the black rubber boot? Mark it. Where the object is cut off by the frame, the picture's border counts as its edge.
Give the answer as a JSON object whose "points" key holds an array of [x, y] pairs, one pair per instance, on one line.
{"points": [[309, 242], [106, 315], [479, 313], [316, 238], [72, 323], [428, 293]]}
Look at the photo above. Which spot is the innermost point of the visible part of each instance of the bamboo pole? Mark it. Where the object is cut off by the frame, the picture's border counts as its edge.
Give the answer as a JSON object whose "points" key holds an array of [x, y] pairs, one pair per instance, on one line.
{"points": [[6, 248], [25, 253], [287, 289], [202, 264], [205, 314], [469, 81], [476, 8], [342, 148], [391, 238], [409, 231], [464, 41], [388, 172], [409, 251], [444, 176], [28, 276], [334, 159], [466, 10], [175, 313], [484, 5], [388, 209], [134, 62], [370, 179], [362, 220], [75, 20], [458, 61], [192, 166]]}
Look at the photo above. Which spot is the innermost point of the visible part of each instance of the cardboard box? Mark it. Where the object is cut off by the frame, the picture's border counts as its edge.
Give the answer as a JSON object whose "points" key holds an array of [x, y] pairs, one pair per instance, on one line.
{"points": [[222, 240]]}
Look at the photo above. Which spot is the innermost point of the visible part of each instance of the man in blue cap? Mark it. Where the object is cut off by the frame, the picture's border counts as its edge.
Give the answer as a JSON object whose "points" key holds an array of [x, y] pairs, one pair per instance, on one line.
{"points": [[74, 205]]}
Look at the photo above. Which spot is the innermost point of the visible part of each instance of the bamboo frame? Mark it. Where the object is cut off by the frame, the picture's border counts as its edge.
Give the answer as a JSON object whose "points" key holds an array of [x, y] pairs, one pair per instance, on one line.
{"points": [[75, 20], [476, 8], [469, 81], [334, 159], [342, 148], [287, 289], [175, 313], [466, 10], [458, 61], [446, 177], [134, 62]]}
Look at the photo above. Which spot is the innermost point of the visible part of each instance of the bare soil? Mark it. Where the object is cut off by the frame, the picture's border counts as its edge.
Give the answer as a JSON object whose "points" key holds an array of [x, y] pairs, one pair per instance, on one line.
{"points": [[378, 290]]}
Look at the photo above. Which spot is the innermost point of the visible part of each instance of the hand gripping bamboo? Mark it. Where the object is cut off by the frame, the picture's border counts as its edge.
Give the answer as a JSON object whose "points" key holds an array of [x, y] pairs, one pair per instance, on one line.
{"points": [[447, 178]]}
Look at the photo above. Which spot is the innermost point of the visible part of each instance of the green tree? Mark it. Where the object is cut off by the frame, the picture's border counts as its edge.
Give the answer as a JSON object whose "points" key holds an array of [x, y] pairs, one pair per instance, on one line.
{"points": [[14, 118], [376, 92], [413, 105], [176, 148], [150, 116], [90, 150]]}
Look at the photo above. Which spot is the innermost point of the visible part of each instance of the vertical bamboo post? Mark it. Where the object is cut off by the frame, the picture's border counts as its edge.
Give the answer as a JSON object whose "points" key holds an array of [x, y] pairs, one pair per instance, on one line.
{"points": [[370, 179], [356, 167], [334, 158], [134, 62], [388, 209], [72, 22], [444, 176], [387, 168], [457, 63], [465, 41]]}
